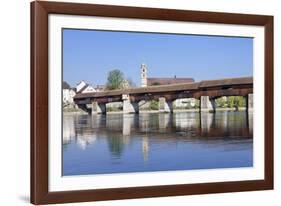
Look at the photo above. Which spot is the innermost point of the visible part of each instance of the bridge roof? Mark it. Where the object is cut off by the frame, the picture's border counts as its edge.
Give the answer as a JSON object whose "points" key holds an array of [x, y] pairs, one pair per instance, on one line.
{"points": [[169, 88], [226, 82], [151, 81]]}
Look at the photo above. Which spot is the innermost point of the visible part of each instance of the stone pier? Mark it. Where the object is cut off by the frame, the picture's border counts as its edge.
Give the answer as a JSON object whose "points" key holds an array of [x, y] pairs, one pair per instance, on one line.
{"points": [[207, 104], [250, 102], [165, 106], [98, 108], [128, 106]]}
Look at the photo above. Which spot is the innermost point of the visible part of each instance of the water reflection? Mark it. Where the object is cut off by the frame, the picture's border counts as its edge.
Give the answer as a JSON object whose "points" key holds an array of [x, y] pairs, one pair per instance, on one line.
{"points": [[153, 142]]}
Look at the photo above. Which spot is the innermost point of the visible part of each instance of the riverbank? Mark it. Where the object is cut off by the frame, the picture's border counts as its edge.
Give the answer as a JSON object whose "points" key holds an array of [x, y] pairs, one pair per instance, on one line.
{"points": [[73, 111]]}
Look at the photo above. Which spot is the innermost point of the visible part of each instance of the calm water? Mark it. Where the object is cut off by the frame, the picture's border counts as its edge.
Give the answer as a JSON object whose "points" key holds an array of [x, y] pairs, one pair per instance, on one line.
{"points": [[119, 143]]}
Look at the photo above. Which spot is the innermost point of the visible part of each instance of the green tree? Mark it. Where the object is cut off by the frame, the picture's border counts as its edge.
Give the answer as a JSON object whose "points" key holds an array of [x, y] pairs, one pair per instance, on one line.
{"points": [[114, 79], [236, 101], [154, 105], [197, 104], [220, 102], [241, 102], [231, 101]]}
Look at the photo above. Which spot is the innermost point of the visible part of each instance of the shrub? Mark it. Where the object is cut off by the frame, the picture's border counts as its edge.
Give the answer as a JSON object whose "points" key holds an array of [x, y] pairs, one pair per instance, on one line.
{"points": [[154, 105]]}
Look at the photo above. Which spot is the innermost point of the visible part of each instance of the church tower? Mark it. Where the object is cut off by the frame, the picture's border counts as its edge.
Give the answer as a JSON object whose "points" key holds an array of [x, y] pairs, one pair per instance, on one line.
{"points": [[143, 75]]}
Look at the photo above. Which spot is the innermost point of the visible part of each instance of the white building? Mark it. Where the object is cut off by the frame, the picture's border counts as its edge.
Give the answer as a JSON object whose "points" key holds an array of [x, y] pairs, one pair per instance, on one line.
{"points": [[157, 81], [83, 87], [100, 88], [185, 102], [143, 75], [125, 84], [68, 95]]}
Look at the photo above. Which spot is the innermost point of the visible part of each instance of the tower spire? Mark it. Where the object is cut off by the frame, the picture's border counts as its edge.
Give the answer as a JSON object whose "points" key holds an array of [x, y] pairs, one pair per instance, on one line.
{"points": [[143, 75]]}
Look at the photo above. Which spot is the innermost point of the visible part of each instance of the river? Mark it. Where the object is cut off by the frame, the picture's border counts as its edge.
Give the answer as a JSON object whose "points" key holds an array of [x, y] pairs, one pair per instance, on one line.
{"points": [[118, 143]]}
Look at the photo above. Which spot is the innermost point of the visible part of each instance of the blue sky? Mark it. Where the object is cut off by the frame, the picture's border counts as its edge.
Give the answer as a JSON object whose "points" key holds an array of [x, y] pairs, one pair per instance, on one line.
{"points": [[89, 55]]}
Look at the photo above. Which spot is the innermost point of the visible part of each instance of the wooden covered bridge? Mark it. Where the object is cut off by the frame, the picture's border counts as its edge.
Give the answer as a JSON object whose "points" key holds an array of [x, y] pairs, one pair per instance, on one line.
{"points": [[205, 91]]}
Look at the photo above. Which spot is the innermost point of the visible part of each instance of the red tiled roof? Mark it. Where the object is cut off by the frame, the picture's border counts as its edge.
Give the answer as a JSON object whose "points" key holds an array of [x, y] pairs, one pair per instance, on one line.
{"points": [[165, 81]]}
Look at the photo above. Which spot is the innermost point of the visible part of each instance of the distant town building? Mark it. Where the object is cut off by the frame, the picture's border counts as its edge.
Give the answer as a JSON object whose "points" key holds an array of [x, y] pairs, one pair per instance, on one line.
{"points": [[68, 93], [83, 87], [187, 103], [143, 75], [100, 88], [165, 81], [154, 81], [125, 84]]}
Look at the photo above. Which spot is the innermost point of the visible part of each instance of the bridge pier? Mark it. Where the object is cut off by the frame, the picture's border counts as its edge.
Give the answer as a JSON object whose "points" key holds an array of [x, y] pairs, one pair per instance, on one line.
{"points": [[98, 108], [207, 104], [249, 102], [165, 106], [84, 108], [128, 106]]}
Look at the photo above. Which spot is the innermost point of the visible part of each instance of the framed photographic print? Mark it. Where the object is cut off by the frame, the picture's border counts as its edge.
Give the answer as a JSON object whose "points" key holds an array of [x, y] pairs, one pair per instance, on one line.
{"points": [[131, 102]]}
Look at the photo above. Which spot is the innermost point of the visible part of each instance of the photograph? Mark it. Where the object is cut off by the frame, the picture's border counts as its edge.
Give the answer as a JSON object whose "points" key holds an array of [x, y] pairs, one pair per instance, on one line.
{"points": [[151, 102], [131, 102]]}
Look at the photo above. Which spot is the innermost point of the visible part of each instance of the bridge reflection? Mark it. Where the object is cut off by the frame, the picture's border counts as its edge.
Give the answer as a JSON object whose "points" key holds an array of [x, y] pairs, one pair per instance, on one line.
{"points": [[118, 129]]}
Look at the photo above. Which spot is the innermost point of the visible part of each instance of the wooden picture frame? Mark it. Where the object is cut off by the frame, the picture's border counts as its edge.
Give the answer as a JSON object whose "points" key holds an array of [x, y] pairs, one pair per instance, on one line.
{"points": [[40, 193]]}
